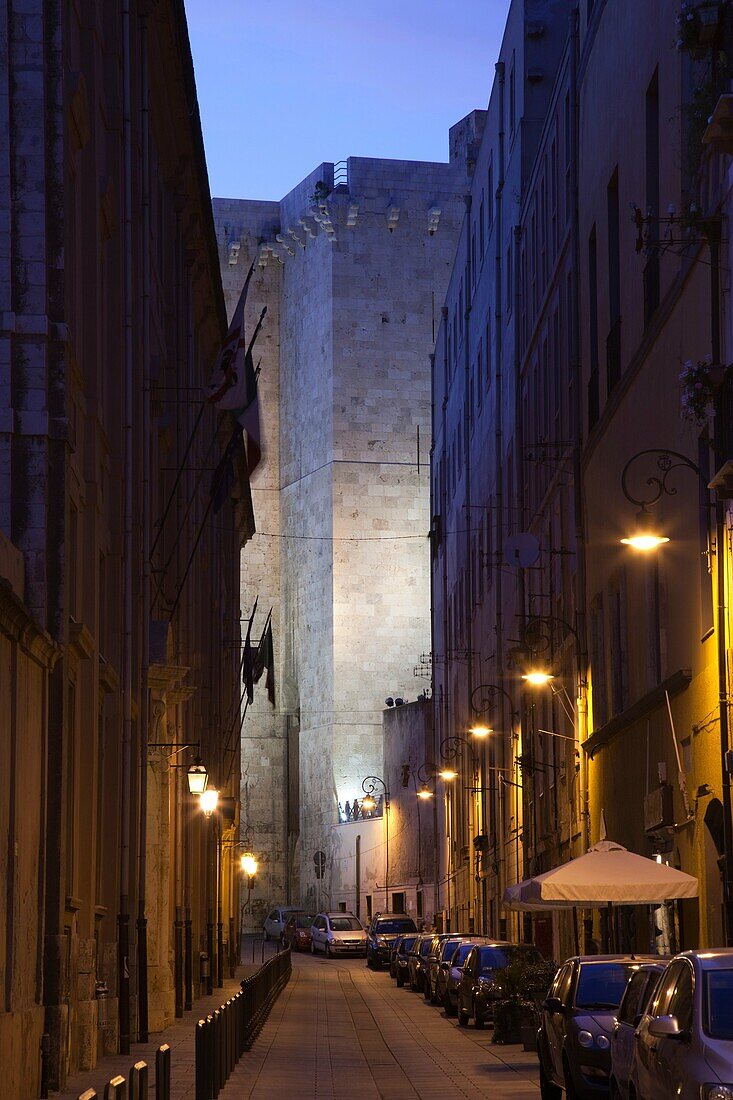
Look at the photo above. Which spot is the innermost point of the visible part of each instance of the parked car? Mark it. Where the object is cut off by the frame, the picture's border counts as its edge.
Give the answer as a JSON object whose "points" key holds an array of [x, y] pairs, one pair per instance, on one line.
{"points": [[576, 1023], [684, 1041], [432, 961], [451, 981], [297, 931], [479, 989], [383, 931], [274, 924], [401, 959], [417, 961], [393, 956], [338, 934], [447, 951], [636, 998]]}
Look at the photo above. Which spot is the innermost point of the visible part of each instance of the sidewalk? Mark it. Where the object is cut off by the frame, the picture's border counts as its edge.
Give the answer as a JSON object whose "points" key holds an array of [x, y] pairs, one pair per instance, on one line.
{"points": [[180, 1037]]}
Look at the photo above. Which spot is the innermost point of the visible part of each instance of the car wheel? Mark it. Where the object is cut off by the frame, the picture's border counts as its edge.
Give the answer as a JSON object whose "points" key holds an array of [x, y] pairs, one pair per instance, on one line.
{"points": [[548, 1091], [449, 1009], [462, 1017], [313, 948], [400, 981], [328, 951], [613, 1090], [426, 991], [478, 1021], [570, 1093]]}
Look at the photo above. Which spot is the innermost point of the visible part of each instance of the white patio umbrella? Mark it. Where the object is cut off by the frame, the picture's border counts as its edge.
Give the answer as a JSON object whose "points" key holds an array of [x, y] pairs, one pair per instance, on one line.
{"points": [[513, 900], [608, 874]]}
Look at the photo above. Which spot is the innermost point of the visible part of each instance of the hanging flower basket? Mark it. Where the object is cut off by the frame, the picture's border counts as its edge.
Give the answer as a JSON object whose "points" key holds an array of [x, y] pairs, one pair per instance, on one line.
{"points": [[699, 383], [697, 26]]}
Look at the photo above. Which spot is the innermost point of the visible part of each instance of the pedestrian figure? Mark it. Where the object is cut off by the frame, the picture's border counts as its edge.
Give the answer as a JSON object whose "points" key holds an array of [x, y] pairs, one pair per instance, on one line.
{"points": [[347, 811], [341, 813], [356, 809]]}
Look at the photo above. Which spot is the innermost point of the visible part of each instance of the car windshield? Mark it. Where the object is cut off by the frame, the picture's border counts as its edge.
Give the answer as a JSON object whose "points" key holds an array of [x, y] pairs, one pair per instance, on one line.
{"points": [[303, 920], [602, 985], [393, 927], [407, 943], [448, 948], [718, 987], [496, 958], [460, 956], [345, 924]]}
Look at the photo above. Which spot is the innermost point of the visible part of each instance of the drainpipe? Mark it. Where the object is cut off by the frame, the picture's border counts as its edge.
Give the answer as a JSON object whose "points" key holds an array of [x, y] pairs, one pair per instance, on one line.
{"points": [[448, 807], [433, 746], [123, 916], [577, 419], [467, 413], [721, 625], [142, 924], [500, 755]]}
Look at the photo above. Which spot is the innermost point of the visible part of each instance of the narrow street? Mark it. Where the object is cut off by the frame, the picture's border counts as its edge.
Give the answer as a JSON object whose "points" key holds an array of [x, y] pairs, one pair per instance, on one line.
{"points": [[342, 1032]]}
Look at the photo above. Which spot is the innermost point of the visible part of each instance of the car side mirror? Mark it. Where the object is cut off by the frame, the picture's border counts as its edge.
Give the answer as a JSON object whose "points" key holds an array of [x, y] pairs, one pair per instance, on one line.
{"points": [[553, 1005], [665, 1027]]}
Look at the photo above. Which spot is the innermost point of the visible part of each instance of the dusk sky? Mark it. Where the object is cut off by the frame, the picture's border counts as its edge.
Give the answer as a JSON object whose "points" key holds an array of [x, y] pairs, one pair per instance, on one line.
{"points": [[284, 85]]}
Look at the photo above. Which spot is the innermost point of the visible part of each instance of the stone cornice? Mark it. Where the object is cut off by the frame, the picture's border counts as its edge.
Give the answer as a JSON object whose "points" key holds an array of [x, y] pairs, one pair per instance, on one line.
{"points": [[81, 641], [17, 622], [673, 685]]}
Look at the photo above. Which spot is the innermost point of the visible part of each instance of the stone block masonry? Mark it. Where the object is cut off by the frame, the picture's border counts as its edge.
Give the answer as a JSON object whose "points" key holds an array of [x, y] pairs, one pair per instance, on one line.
{"points": [[354, 282]]}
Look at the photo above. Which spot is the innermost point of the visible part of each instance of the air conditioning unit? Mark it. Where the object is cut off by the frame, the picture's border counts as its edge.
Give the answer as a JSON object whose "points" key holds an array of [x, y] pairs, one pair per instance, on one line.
{"points": [[481, 842], [659, 809]]}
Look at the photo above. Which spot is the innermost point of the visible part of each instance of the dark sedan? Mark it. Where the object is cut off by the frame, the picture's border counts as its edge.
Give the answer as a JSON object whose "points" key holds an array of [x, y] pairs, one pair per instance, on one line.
{"points": [[634, 1003], [297, 932], [451, 980], [576, 1024], [383, 931], [417, 961], [401, 959], [479, 989], [441, 947]]}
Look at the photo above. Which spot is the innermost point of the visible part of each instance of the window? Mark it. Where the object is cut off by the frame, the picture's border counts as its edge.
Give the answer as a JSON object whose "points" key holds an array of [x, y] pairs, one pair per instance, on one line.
{"points": [[479, 376], [598, 661], [613, 342], [512, 101], [72, 549], [617, 642], [491, 197], [593, 385], [342, 906], [509, 272], [665, 992], [707, 620], [680, 1004], [718, 1002], [418, 899], [488, 353], [481, 226], [398, 902], [629, 1009], [651, 270], [369, 906]]}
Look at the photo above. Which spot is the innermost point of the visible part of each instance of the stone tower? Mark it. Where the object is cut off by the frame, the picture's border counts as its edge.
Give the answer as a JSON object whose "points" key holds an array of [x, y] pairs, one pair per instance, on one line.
{"points": [[353, 266]]}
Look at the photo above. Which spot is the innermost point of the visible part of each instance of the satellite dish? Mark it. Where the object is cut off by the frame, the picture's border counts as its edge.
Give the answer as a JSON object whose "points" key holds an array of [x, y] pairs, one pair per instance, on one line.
{"points": [[522, 550]]}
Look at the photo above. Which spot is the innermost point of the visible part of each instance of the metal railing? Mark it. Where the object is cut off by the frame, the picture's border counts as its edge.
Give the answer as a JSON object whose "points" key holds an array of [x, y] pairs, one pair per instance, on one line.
{"points": [[224, 1036], [136, 1085]]}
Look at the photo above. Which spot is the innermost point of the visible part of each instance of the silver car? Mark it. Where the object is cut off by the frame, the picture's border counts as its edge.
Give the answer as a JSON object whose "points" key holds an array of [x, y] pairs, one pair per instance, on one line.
{"points": [[684, 1042], [338, 934], [274, 924], [634, 1003]]}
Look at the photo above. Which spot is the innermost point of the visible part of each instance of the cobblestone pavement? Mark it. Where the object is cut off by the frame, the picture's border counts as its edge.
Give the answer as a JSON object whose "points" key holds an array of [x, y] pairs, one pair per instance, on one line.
{"points": [[342, 1032]]}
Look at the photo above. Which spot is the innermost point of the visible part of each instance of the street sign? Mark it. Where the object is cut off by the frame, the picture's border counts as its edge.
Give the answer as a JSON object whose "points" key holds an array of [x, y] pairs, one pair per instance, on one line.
{"points": [[319, 859]]}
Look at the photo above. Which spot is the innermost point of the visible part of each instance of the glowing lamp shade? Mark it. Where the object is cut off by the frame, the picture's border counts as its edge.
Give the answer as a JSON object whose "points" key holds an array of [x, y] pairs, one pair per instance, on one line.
{"points": [[368, 803], [480, 731], [425, 793], [198, 777], [208, 800], [249, 864], [448, 774], [538, 678], [645, 536]]}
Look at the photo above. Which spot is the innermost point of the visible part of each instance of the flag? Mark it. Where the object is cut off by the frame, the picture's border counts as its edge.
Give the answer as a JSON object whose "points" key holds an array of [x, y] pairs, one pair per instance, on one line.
{"points": [[248, 415], [248, 656], [224, 476], [265, 659], [227, 388]]}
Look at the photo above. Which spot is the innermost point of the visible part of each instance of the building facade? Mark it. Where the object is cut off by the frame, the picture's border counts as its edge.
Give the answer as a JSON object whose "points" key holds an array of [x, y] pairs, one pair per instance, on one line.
{"points": [[119, 582], [352, 266], [581, 378]]}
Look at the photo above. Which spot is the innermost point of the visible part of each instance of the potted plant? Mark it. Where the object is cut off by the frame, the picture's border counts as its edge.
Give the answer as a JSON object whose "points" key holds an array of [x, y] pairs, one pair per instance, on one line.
{"points": [[697, 25], [699, 383], [523, 987]]}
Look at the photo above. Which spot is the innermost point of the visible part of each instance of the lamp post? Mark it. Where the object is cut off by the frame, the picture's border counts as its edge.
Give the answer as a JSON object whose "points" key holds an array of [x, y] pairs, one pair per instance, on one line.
{"points": [[371, 784], [648, 537]]}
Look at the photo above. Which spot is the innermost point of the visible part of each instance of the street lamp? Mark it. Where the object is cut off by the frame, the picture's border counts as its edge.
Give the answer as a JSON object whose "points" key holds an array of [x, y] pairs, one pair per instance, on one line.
{"points": [[208, 801], [660, 485], [249, 864], [646, 535], [197, 777], [537, 677], [369, 785]]}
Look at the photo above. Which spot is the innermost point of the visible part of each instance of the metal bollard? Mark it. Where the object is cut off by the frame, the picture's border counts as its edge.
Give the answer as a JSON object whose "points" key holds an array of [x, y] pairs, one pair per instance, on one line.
{"points": [[138, 1081], [163, 1072], [203, 1061], [216, 1081], [116, 1089]]}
